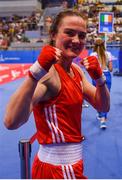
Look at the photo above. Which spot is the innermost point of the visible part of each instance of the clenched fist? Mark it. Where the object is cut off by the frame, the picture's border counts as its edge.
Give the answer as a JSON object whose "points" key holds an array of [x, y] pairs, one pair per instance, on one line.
{"points": [[92, 66], [48, 56]]}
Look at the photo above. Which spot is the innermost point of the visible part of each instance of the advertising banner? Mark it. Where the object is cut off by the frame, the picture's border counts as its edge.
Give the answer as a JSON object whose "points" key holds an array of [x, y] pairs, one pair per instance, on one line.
{"points": [[18, 56], [11, 72]]}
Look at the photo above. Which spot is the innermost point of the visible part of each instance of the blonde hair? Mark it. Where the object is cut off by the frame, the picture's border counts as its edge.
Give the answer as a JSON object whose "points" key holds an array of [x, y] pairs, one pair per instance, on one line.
{"points": [[99, 48]]}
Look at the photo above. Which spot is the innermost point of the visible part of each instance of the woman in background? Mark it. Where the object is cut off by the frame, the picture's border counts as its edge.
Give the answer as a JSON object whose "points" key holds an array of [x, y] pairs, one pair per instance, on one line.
{"points": [[105, 60]]}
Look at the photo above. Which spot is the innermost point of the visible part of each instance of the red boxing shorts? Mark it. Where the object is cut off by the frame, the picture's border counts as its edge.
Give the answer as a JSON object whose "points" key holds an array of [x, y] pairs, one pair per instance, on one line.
{"points": [[42, 170]]}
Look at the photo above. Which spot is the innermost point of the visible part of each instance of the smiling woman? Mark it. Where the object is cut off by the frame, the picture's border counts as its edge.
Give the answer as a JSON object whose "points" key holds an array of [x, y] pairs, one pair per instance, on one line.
{"points": [[71, 34], [54, 90]]}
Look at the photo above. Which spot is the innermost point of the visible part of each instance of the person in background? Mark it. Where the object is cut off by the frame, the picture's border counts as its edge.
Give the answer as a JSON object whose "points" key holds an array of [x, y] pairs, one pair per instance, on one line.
{"points": [[65, 4], [54, 90], [4, 43], [48, 22], [105, 60]]}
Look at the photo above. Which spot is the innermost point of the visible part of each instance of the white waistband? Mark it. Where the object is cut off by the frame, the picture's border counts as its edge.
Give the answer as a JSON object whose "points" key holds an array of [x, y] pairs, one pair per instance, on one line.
{"points": [[60, 154]]}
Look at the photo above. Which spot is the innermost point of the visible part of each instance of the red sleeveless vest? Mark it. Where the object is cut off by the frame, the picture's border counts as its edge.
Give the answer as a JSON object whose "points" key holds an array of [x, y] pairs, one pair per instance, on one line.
{"points": [[59, 119]]}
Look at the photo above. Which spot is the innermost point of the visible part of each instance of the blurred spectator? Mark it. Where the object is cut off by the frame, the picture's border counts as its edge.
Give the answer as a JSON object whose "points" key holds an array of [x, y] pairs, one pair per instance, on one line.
{"points": [[4, 43], [65, 4], [116, 11], [48, 22]]}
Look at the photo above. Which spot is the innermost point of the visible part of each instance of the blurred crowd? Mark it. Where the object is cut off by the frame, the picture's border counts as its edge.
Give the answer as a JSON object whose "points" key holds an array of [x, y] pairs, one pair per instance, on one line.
{"points": [[12, 29], [91, 12]]}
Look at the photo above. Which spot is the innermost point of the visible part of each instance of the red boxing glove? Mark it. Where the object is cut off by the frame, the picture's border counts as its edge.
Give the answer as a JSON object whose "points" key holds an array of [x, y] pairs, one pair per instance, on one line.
{"points": [[93, 67], [48, 56]]}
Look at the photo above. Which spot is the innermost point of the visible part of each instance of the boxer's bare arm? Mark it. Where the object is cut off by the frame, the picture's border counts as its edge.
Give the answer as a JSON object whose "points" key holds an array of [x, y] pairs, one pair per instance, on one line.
{"points": [[21, 103]]}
